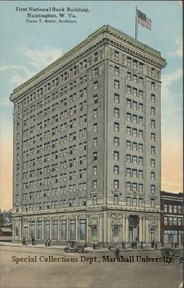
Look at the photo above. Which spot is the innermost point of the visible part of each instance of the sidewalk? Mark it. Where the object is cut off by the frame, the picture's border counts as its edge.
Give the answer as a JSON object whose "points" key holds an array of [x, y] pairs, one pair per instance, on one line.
{"points": [[87, 249]]}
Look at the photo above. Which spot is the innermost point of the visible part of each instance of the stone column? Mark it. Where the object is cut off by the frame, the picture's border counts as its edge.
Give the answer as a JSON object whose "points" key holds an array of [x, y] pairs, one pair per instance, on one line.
{"points": [[67, 229], [126, 229], [123, 229], [100, 232], [105, 229], [140, 229], [158, 229], [76, 228], [147, 231], [109, 228], [35, 234], [43, 230], [50, 221], [59, 229], [144, 229], [87, 229]]}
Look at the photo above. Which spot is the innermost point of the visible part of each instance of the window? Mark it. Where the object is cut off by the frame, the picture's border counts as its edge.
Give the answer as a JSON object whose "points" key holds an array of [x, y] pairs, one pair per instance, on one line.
{"points": [[152, 162], [153, 137], [152, 175], [128, 158], [128, 117], [128, 130], [116, 184], [116, 127], [134, 173], [165, 208], [128, 172], [134, 201], [95, 99], [82, 229], [94, 156], [115, 199], [153, 85], [128, 201], [170, 220], [116, 84], [116, 55], [95, 72], [134, 187], [128, 76], [152, 189], [129, 61], [153, 150], [95, 127], [128, 186], [165, 220], [94, 170], [72, 229], [152, 111], [116, 112], [175, 209], [152, 123], [140, 174], [116, 71], [152, 98], [128, 145], [94, 200], [140, 187], [95, 113], [116, 155], [128, 103], [140, 202], [116, 98], [95, 85], [170, 208], [116, 141], [94, 184], [95, 141], [116, 169], [152, 203]]}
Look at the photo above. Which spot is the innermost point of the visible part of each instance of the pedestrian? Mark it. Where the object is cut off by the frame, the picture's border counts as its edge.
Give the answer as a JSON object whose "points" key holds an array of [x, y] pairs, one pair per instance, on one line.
{"points": [[141, 244], [33, 240], [94, 246], [156, 245], [109, 246], [117, 252], [123, 245], [48, 241]]}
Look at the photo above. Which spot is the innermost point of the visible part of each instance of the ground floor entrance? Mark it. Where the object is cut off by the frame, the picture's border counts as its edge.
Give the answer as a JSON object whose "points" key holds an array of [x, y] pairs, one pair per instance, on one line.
{"points": [[103, 227]]}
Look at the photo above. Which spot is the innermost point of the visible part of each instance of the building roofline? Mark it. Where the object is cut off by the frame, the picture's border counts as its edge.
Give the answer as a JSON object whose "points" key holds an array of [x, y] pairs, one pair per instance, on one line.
{"points": [[106, 29]]}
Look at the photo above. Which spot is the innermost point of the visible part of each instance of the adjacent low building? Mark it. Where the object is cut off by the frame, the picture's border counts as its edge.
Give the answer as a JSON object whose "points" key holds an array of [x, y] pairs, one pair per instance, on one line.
{"points": [[171, 218]]}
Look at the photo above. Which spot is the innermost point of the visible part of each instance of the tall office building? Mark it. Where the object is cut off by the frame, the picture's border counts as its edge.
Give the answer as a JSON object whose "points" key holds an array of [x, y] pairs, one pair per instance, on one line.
{"points": [[87, 144]]}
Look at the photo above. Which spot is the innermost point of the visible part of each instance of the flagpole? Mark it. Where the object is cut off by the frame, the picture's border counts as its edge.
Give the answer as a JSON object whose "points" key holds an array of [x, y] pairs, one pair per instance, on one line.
{"points": [[136, 23]]}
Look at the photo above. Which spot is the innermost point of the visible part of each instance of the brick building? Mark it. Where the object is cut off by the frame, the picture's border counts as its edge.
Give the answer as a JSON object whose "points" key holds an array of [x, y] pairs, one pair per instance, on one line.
{"points": [[171, 218]]}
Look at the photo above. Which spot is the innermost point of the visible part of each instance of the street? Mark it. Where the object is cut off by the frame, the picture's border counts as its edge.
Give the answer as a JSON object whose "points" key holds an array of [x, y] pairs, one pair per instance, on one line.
{"points": [[37, 267]]}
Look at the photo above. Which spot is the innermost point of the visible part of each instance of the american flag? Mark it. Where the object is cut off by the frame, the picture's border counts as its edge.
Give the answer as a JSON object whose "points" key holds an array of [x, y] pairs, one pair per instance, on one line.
{"points": [[143, 20]]}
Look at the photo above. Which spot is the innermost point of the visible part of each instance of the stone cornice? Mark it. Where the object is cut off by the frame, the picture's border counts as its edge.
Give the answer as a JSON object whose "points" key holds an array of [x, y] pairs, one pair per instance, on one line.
{"points": [[125, 42]]}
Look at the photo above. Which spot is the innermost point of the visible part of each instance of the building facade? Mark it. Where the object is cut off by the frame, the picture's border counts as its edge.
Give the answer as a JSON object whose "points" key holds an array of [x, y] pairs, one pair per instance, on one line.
{"points": [[171, 218], [87, 144]]}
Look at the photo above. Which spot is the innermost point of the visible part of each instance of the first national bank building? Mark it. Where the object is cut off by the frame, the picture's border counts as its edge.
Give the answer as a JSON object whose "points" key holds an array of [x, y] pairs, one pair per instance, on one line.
{"points": [[87, 144]]}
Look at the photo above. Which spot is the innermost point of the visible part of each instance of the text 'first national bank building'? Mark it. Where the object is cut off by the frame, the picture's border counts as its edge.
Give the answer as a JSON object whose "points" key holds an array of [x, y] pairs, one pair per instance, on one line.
{"points": [[87, 144]]}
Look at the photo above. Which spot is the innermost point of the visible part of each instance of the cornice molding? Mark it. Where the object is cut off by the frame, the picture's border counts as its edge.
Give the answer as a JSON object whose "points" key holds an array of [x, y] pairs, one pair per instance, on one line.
{"points": [[106, 34]]}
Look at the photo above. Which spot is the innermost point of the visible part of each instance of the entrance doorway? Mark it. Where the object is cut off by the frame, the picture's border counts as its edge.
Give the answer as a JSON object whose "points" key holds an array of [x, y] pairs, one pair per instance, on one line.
{"points": [[133, 228]]}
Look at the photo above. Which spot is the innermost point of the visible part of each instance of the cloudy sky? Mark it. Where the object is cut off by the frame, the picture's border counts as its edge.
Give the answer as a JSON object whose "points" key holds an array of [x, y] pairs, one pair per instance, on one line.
{"points": [[26, 48]]}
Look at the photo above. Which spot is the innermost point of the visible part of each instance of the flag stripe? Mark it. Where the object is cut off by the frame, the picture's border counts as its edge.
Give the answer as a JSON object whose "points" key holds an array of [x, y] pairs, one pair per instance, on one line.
{"points": [[146, 24], [143, 20]]}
